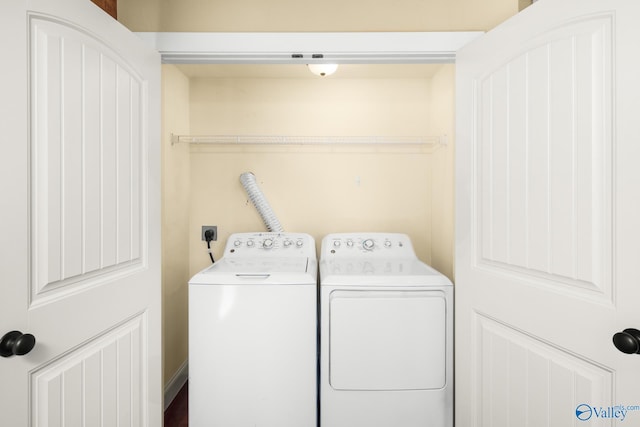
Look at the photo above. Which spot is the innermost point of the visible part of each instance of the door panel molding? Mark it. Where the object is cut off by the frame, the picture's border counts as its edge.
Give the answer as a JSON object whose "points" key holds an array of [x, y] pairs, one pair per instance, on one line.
{"points": [[87, 189], [98, 383], [550, 228], [556, 379]]}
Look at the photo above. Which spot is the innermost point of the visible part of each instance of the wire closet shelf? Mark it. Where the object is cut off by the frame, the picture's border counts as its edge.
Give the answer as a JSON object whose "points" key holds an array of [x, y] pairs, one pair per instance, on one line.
{"points": [[427, 141]]}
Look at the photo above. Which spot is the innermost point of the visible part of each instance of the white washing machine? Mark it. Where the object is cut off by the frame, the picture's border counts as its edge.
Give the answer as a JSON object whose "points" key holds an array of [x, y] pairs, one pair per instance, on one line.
{"points": [[386, 335], [253, 334]]}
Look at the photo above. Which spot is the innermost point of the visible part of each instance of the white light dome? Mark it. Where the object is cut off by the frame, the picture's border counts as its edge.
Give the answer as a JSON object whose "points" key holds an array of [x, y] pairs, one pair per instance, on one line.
{"points": [[323, 69]]}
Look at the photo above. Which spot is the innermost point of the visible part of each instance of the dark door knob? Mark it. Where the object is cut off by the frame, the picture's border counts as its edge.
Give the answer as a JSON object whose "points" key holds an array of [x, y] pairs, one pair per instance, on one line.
{"points": [[627, 341], [15, 343]]}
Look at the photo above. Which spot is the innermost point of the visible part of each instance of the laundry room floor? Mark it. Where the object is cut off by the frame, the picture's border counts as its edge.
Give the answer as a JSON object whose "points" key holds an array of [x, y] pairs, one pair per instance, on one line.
{"points": [[177, 414]]}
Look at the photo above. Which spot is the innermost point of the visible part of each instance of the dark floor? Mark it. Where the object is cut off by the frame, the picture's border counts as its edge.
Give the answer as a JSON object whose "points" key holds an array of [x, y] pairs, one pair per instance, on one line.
{"points": [[177, 414]]}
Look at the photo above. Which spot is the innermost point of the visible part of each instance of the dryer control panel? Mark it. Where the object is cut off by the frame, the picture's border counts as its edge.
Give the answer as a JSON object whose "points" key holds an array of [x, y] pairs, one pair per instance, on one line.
{"points": [[270, 244], [367, 245]]}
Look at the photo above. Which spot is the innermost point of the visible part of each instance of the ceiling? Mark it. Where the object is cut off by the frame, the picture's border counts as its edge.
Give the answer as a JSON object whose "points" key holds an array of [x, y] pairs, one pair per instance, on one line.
{"points": [[300, 71]]}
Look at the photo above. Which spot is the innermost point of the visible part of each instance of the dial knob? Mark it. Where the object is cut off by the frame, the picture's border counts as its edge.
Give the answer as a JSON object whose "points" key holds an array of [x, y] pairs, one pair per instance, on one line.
{"points": [[336, 243], [250, 243], [15, 343], [237, 243], [387, 244], [267, 244], [350, 243], [368, 244], [299, 243], [287, 243]]}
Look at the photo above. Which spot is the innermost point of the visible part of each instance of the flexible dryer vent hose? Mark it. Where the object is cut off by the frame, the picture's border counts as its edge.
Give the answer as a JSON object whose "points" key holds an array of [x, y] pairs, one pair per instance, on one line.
{"points": [[256, 196]]}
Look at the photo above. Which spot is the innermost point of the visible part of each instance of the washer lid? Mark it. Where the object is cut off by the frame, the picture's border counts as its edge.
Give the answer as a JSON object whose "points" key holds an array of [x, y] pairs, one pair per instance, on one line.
{"points": [[382, 272], [267, 270]]}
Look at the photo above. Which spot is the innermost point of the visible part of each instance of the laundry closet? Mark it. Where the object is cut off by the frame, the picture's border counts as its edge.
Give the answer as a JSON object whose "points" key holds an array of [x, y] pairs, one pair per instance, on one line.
{"points": [[393, 169], [369, 148]]}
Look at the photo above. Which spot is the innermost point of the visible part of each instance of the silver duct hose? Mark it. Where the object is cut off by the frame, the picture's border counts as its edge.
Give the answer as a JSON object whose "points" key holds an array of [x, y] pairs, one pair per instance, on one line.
{"points": [[256, 196]]}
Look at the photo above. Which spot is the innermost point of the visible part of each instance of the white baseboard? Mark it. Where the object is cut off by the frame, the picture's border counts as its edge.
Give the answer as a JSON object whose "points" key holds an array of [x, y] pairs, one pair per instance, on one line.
{"points": [[176, 382]]}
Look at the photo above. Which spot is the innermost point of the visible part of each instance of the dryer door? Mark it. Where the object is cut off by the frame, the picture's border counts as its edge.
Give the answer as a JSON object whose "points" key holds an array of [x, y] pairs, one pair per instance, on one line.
{"points": [[387, 340]]}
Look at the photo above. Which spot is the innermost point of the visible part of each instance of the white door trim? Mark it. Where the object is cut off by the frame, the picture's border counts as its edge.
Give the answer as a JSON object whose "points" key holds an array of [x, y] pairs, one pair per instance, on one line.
{"points": [[278, 48]]}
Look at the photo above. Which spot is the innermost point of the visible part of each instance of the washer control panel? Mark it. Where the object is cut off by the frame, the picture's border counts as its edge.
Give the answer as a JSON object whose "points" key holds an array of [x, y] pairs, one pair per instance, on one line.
{"points": [[355, 245], [268, 243]]}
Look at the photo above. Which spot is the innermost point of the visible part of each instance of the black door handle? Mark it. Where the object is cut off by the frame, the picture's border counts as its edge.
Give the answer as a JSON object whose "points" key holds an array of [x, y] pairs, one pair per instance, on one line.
{"points": [[15, 343], [627, 341]]}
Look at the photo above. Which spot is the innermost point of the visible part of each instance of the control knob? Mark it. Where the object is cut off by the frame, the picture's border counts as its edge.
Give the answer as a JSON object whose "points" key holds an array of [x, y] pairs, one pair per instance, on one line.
{"points": [[368, 244], [267, 244]]}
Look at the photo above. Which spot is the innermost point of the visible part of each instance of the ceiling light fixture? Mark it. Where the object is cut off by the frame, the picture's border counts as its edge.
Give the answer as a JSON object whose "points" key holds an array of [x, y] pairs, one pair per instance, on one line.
{"points": [[322, 69]]}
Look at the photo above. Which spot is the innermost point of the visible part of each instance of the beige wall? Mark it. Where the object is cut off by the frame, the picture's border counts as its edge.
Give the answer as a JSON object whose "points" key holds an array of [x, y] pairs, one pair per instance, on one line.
{"points": [[175, 219], [522, 4], [313, 15], [309, 106], [312, 189], [316, 191], [442, 114]]}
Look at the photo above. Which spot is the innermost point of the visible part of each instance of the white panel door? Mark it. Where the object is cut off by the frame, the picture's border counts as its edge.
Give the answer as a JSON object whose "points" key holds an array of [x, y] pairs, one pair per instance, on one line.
{"points": [[547, 229], [79, 184]]}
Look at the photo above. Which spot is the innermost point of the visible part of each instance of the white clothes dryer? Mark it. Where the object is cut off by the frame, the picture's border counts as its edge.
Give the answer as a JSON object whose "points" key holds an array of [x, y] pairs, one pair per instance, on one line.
{"points": [[252, 334], [386, 335]]}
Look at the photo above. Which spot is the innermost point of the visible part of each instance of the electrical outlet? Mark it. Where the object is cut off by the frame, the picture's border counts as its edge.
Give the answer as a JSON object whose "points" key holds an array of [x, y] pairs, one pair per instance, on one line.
{"points": [[213, 228]]}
